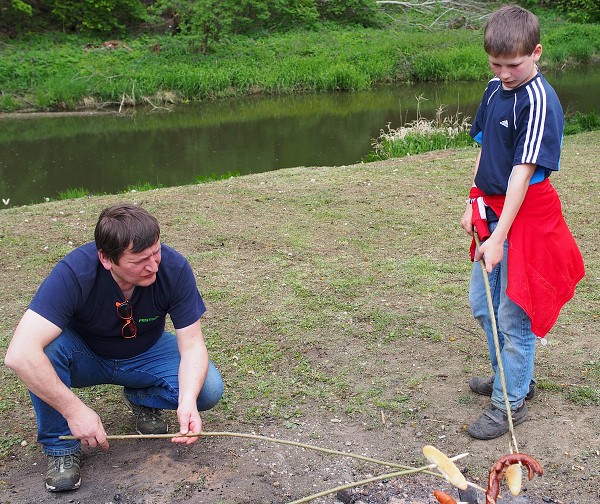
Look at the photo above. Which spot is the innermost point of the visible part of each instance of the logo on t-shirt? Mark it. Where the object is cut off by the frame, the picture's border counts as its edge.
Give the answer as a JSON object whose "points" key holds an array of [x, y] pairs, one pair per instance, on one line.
{"points": [[504, 123]]}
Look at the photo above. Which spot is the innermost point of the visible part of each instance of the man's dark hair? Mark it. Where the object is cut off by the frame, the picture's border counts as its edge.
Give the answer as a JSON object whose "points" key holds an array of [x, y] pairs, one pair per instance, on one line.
{"points": [[511, 31], [122, 225]]}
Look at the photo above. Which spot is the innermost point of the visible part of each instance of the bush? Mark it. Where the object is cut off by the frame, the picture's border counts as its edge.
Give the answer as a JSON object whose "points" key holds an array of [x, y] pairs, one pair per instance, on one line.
{"points": [[577, 11], [580, 11], [103, 16]]}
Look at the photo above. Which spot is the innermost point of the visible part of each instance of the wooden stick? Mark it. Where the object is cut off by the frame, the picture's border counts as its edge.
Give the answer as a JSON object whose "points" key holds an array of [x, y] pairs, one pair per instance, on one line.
{"points": [[488, 293], [426, 469]]}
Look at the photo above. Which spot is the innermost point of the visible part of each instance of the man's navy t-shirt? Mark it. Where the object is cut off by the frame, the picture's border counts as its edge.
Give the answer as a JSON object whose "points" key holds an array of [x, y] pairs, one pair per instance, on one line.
{"points": [[81, 295]]}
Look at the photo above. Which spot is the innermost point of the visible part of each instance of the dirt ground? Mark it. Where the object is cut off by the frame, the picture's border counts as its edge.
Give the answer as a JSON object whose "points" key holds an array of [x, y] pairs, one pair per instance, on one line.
{"points": [[398, 393]]}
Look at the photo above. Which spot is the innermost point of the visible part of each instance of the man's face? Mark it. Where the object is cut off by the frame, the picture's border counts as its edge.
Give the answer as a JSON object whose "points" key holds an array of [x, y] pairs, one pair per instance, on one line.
{"points": [[135, 269], [517, 70]]}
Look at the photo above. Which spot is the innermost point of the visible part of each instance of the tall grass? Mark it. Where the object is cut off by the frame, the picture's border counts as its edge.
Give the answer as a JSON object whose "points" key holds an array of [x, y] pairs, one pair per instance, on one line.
{"points": [[448, 132], [579, 122], [422, 135]]}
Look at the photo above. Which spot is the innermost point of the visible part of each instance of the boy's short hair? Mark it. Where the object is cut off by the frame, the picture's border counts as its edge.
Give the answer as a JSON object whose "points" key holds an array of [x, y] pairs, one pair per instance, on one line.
{"points": [[511, 31], [124, 225]]}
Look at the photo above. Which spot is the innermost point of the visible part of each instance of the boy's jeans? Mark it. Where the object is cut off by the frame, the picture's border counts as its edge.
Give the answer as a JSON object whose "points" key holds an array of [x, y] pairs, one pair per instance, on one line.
{"points": [[517, 342], [150, 379]]}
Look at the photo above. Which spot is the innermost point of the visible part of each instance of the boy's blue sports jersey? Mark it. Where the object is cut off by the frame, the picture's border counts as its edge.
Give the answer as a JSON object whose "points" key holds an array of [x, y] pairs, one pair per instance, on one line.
{"points": [[81, 294], [519, 126]]}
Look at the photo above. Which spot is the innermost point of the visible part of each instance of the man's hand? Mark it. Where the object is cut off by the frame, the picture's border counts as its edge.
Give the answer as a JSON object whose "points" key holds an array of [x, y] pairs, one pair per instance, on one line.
{"points": [[189, 423], [85, 425]]}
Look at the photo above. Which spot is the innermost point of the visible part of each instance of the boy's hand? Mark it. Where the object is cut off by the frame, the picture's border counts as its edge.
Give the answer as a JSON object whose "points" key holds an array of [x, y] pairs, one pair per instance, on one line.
{"points": [[466, 222], [492, 251]]}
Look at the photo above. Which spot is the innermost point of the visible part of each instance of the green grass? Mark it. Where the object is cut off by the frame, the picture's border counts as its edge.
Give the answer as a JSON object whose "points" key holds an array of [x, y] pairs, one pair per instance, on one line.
{"points": [[213, 177], [584, 396], [578, 122], [74, 193], [55, 71], [7, 443]]}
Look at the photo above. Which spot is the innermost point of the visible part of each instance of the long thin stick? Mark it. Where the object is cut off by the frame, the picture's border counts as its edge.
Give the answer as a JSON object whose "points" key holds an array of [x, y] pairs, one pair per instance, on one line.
{"points": [[488, 293], [265, 438]]}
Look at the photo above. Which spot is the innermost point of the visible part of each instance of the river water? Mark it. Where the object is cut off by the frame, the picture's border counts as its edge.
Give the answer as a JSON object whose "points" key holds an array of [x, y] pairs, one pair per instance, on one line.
{"points": [[40, 157]]}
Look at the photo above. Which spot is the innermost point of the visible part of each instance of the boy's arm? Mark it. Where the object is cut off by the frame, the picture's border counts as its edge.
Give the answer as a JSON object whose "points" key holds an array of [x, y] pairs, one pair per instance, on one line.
{"points": [[466, 222], [493, 248]]}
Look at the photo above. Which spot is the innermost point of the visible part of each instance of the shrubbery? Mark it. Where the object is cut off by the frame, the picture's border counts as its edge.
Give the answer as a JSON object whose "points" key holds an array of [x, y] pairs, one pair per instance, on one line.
{"points": [[210, 19], [577, 11]]}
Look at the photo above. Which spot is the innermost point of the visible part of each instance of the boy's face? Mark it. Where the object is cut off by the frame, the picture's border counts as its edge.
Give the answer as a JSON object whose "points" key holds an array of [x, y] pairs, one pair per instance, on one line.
{"points": [[515, 70]]}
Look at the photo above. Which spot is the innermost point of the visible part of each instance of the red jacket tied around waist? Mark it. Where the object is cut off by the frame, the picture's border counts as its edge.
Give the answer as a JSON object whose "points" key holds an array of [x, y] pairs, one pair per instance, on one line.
{"points": [[544, 261]]}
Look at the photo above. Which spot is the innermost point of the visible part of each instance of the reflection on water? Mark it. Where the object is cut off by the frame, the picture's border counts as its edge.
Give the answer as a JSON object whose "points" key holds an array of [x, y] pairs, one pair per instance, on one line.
{"points": [[40, 157]]}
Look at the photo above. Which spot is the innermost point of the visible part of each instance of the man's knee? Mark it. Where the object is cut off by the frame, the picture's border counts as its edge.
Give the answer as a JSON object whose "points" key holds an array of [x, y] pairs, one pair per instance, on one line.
{"points": [[212, 390]]}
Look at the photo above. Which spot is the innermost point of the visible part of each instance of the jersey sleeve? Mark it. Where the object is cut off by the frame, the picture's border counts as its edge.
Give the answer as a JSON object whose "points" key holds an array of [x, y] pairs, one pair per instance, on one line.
{"points": [[539, 128]]}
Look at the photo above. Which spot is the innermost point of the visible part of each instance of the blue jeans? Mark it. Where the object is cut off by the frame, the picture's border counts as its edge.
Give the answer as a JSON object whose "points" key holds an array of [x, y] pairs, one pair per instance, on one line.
{"points": [[517, 342], [150, 379]]}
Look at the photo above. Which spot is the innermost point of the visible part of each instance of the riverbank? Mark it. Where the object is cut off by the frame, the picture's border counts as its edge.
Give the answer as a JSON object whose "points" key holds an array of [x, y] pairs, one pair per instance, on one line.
{"points": [[56, 71], [338, 315]]}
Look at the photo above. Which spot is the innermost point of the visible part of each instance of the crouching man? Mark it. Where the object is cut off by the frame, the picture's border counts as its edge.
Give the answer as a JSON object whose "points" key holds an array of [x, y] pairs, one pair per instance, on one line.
{"points": [[99, 318]]}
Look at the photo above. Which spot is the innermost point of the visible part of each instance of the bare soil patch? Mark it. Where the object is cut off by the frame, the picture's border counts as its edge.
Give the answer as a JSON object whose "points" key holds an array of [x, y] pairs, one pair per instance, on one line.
{"points": [[338, 315]]}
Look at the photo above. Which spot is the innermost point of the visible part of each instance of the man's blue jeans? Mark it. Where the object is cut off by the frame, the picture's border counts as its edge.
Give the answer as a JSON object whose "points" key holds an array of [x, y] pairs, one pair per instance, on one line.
{"points": [[517, 342], [150, 379]]}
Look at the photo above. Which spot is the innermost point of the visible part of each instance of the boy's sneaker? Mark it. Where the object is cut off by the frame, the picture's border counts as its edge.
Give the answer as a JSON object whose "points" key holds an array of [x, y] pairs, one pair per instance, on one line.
{"points": [[64, 472], [485, 386], [494, 422], [147, 420]]}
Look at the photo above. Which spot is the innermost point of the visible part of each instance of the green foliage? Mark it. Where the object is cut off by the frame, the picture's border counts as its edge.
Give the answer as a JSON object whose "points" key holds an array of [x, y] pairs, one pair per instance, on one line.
{"points": [[102, 16], [15, 13], [74, 193], [579, 122], [362, 12], [288, 14], [211, 20], [576, 11], [214, 177], [580, 11]]}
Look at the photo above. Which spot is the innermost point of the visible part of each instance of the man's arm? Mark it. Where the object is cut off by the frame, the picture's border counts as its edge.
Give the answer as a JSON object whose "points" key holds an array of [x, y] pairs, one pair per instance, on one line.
{"points": [[192, 373], [492, 249], [26, 357]]}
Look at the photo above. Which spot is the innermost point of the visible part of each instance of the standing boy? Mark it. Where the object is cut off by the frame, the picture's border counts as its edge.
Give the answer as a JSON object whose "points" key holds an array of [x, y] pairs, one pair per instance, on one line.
{"points": [[532, 260], [99, 317]]}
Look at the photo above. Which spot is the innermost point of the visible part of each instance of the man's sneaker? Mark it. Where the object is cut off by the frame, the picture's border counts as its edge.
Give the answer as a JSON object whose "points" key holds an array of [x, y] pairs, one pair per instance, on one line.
{"points": [[147, 420], [485, 386], [494, 422], [64, 472]]}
